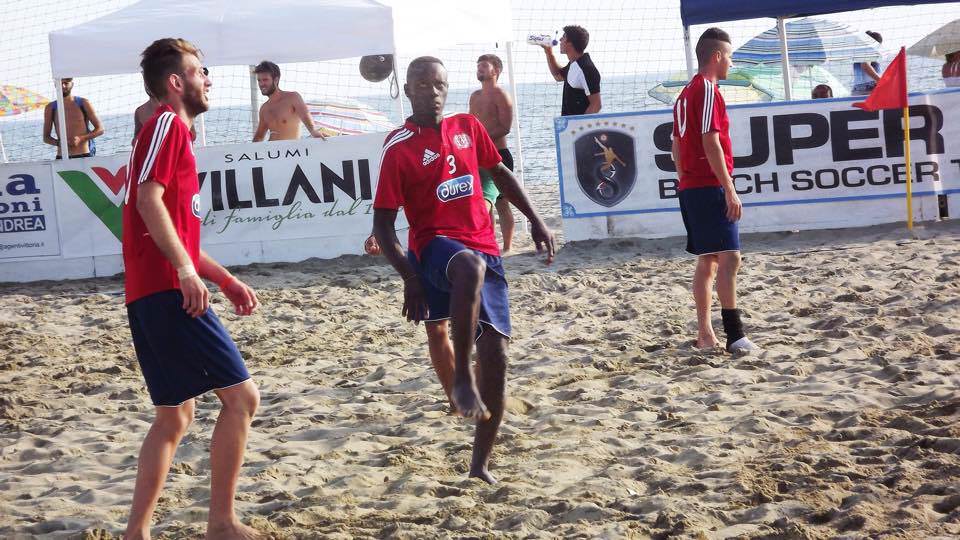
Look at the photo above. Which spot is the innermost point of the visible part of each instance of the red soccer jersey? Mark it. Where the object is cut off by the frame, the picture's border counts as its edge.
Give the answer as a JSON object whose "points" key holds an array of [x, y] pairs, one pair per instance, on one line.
{"points": [[162, 153], [434, 174], [700, 109]]}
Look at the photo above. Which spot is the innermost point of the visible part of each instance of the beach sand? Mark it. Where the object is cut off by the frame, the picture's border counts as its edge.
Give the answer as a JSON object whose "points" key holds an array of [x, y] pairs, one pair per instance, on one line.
{"points": [[844, 426]]}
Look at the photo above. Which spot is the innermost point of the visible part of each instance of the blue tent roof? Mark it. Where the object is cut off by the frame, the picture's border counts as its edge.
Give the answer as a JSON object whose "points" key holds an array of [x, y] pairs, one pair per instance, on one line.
{"points": [[710, 11]]}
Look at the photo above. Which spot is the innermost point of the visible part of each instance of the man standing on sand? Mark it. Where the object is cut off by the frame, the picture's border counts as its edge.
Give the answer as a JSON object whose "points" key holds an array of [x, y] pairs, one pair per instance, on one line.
{"points": [[581, 79], [493, 107], [78, 113], [283, 112], [430, 167], [182, 348], [709, 203]]}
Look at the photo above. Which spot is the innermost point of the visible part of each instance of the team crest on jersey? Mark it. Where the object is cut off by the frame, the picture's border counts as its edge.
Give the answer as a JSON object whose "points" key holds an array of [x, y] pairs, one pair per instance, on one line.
{"points": [[195, 205], [455, 188], [461, 141], [606, 166], [429, 156]]}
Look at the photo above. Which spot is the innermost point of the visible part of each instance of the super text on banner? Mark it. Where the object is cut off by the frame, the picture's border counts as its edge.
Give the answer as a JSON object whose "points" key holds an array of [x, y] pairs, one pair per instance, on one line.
{"points": [[802, 165]]}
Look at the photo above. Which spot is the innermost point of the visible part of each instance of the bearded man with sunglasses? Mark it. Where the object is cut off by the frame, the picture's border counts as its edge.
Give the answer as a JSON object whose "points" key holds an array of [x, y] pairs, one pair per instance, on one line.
{"points": [[182, 348]]}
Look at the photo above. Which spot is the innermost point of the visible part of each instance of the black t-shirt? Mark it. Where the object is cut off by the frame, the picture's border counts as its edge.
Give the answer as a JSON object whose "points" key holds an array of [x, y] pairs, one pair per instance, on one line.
{"points": [[580, 79]]}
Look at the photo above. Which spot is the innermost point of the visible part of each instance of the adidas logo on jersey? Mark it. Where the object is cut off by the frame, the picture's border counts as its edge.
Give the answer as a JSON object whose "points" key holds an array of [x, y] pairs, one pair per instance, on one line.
{"points": [[429, 156]]}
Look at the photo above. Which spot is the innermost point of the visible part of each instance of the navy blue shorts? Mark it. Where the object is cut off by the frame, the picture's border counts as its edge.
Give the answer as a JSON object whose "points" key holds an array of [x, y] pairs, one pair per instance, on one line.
{"points": [[432, 269], [704, 212], [181, 357]]}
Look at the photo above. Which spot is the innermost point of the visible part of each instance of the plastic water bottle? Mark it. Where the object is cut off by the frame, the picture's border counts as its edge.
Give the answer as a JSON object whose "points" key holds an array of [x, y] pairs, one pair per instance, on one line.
{"points": [[547, 40]]}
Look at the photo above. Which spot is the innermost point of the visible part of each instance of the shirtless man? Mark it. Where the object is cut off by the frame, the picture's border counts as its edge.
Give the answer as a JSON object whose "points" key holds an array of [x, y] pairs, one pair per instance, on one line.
{"points": [[142, 114], [492, 106], [78, 112], [145, 112], [282, 113]]}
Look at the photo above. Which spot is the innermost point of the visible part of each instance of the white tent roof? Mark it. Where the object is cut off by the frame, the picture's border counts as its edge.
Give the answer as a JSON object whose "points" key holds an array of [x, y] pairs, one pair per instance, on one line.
{"points": [[244, 32]]}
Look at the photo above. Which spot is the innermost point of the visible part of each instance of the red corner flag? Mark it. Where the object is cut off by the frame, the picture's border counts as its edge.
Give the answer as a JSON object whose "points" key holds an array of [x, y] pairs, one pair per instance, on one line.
{"points": [[891, 89]]}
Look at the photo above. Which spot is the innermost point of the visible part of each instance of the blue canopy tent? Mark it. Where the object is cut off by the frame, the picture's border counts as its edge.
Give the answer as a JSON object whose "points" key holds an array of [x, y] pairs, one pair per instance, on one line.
{"points": [[710, 11]]}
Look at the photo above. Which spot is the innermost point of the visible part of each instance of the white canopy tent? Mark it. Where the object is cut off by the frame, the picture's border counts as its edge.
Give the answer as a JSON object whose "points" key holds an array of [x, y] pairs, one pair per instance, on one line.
{"points": [[243, 32]]}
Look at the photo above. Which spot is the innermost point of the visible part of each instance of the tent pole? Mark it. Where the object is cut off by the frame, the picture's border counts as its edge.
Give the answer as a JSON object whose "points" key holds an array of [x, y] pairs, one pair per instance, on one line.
{"points": [[784, 58], [396, 75], [3, 151], [202, 131], [254, 101], [61, 121], [516, 107], [688, 51], [516, 122], [403, 114]]}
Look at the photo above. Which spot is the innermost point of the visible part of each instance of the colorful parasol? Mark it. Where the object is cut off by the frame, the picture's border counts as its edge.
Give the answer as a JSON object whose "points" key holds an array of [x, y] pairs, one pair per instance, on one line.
{"points": [[16, 100]]}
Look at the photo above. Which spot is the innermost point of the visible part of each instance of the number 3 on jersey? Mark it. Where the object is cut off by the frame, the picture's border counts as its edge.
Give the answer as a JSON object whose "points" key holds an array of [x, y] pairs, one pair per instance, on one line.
{"points": [[453, 164]]}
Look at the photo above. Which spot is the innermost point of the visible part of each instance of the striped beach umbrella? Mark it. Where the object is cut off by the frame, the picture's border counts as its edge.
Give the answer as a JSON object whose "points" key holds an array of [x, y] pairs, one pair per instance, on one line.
{"points": [[810, 41], [347, 117]]}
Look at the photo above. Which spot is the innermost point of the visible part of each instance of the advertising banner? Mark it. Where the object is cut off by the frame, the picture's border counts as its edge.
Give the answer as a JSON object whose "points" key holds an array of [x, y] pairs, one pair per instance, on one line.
{"points": [[798, 165], [28, 213], [290, 189], [259, 202]]}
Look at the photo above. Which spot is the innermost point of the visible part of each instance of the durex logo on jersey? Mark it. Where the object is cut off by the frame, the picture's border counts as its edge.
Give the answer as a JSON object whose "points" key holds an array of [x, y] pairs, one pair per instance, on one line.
{"points": [[195, 205], [462, 141], [455, 188]]}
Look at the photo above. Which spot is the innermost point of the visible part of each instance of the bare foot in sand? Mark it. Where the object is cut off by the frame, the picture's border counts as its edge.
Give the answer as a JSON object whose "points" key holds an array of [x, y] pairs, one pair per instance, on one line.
{"points": [[233, 531], [467, 401], [707, 341], [483, 474]]}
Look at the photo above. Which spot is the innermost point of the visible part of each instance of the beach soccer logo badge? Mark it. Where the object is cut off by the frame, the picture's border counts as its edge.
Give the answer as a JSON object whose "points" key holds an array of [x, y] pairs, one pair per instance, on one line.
{"points": [[606, 166]]}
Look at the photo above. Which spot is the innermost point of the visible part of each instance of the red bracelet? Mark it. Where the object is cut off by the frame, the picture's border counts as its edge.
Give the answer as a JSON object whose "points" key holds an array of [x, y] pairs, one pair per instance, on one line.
{"points": [[226, 282]]}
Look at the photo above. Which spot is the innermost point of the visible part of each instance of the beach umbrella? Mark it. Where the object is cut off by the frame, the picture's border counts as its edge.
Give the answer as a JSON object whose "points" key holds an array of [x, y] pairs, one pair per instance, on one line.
{"points": [[810, 41], [751, 84], [17, 100], [803, 79], [939, 43], [347, 117], [735, 89]]}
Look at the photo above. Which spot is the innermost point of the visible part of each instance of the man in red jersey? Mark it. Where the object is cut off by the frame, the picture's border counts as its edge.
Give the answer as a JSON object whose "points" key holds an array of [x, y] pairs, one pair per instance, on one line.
{"points": [[431, 167], [708, 201], [182, 348]]}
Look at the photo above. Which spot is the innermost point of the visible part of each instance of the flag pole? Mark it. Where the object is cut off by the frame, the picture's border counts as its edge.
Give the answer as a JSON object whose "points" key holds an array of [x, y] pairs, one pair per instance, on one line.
{"points": [[906, 149], [906, 140]]}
